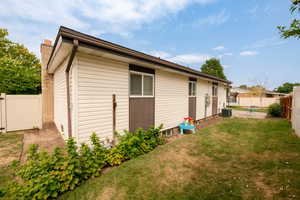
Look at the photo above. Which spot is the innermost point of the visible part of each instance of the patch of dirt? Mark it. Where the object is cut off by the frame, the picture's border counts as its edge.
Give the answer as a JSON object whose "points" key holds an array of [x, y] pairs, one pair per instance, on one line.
{"points": [[267, 190], [47, 139], [6, 160]]}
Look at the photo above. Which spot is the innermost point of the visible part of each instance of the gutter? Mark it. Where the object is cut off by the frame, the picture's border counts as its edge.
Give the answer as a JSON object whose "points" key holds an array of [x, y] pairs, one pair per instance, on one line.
{"points": [[73, 52]]}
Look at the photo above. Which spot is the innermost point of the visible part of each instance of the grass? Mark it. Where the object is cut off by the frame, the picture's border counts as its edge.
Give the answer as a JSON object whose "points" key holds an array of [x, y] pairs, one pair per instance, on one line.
{"points": [[233, 159], [264, 110], [10, 149]]}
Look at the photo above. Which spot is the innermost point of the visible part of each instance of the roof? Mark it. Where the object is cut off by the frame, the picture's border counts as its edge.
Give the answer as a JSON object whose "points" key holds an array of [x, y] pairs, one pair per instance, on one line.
{"points": [[91, 41], [247, 90]]}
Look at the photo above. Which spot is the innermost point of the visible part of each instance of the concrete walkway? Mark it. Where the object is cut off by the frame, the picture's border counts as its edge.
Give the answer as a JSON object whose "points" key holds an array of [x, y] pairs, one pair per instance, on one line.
{"points": [[248, 114], [48, 139]]}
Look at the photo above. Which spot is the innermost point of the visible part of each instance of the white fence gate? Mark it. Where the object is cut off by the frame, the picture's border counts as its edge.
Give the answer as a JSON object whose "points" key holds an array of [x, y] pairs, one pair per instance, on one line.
{"points": [[20, 112], [296, 110]]}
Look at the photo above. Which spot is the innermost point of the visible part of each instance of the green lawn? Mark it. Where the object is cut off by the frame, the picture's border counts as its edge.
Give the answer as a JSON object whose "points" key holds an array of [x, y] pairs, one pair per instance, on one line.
{"points": [[264, 110], [10, 149], [233, 159]]}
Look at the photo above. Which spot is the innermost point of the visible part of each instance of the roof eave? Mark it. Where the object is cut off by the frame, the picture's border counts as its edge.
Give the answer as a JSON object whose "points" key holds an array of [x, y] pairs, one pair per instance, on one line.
{"points": [[67, 33]]}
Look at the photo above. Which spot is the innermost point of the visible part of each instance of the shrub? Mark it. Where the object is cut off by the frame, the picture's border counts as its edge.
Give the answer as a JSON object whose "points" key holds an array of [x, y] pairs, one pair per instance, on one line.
{"points": [[134, 144], [275, 110], [45, 176]]}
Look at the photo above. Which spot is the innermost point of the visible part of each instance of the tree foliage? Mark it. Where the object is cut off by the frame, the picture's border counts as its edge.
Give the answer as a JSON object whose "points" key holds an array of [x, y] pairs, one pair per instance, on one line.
{"points": [[257, 90], [286, 87], [294, 29], [213, 67], [243, 86], [20, 70]]}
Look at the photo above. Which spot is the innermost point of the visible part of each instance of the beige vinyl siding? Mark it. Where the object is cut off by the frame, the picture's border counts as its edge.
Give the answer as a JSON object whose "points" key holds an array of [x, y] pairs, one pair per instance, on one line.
{"points": [[60, 100], [98, 80], [203, 87], [73, 97], [171, 98], [222, 97]]}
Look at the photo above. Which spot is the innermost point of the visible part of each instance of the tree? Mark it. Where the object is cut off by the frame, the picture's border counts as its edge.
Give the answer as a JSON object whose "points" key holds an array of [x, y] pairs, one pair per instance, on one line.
{"points": [[294, 29], [286, 87], [20, 70], [257, 90], [243, 86], [213, 67]]}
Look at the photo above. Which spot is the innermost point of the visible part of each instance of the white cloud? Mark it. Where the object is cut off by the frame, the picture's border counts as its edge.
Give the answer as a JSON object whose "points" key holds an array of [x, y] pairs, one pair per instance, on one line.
{"points": [[228, 54], [216, 19], [225, 54], [120, 17], [190, 59], [253, 11], [249, 53], [219, 48], [226, 66], [268, 42], [160, 54]]}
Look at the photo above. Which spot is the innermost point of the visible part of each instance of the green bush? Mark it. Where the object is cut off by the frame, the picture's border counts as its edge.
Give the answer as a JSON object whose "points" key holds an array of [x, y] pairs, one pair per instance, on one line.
{"points": [[45, 176], [134, 144], [275, 110]]}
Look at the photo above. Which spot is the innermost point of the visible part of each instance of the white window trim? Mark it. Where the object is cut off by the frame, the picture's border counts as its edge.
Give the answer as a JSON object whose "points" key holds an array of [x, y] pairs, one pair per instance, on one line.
{"points": [[142, 74], [194, 86], [215, 89]]}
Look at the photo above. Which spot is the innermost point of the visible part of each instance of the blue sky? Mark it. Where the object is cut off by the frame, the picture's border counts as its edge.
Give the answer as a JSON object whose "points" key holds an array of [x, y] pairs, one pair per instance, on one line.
{"points": [[242, 34]]}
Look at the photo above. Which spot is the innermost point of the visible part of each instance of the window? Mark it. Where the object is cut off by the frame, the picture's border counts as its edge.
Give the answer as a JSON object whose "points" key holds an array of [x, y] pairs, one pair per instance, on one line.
{"points": [[192, 88], [135, 84], [148, 85], [215, 89], [141, 84]]}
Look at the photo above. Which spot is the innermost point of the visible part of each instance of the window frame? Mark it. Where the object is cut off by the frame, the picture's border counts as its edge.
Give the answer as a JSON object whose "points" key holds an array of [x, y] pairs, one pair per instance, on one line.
{"points": [[142, 74], [194, 86], [215, 89]]}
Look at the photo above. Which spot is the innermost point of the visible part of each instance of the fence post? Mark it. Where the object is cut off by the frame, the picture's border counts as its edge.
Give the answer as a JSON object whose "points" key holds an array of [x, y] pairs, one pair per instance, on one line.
{"points": [[3, 113]]}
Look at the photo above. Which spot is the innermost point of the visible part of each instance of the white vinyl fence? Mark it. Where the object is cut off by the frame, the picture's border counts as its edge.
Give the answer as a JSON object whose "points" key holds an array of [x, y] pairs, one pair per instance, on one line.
{"points": [[20, 112], [255, 101], [296, 110]]}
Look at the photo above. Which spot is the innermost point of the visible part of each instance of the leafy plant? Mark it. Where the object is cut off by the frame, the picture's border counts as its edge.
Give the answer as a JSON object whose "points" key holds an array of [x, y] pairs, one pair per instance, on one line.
{"points": [[20, 70], [45, 176], [275, 110]]}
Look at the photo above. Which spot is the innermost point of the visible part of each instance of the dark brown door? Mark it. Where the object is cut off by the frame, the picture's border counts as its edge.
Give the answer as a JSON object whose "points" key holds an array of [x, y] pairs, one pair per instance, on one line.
{"points": [[192, 107], [214, 105], [141, 113]]}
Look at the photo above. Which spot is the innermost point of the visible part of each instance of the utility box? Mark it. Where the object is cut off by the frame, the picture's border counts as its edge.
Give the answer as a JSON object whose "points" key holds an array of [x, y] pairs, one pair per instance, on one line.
{"points": [[226, 112]]}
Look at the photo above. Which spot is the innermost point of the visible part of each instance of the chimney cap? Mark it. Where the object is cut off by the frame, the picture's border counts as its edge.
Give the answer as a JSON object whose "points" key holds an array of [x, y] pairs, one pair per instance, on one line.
{"points": [[47, 42]]}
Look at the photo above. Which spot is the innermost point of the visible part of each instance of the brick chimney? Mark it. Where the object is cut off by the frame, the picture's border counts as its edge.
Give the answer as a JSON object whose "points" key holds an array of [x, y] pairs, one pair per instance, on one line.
{"points": [[47, 85]]}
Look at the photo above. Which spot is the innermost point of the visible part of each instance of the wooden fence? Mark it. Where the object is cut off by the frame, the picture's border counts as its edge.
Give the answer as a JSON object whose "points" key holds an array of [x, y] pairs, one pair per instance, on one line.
{"points": [[286, 103]]}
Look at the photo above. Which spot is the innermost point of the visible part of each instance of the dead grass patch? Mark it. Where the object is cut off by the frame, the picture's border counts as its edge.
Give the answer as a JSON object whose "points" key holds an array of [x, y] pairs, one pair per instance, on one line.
{"points": [[177, 167], [107, 193], [267, 190]]}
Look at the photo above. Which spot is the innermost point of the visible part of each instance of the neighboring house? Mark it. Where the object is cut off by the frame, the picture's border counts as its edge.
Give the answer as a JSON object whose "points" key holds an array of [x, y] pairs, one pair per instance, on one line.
{"points": [[247, 98], [102, 87]]}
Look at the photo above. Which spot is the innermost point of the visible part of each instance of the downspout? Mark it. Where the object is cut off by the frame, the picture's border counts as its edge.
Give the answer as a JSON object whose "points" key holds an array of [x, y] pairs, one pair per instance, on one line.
{"points": [[74, 50]]}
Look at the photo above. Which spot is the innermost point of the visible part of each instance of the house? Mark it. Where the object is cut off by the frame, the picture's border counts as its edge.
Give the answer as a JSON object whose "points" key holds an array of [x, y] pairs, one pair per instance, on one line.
{"points": [[91, 85], [246, 97]]}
